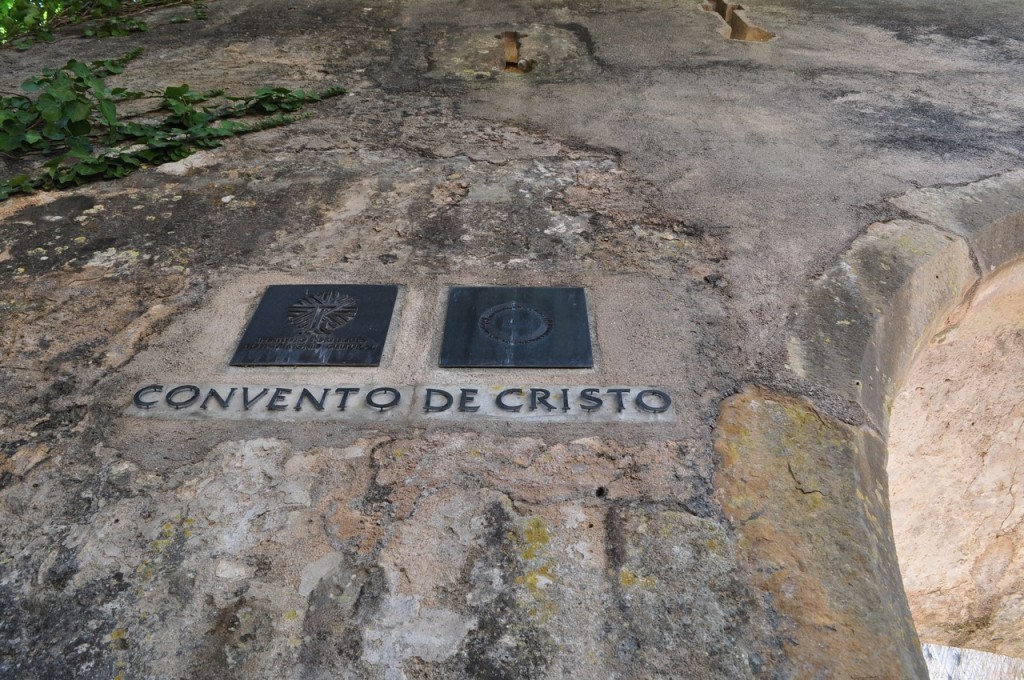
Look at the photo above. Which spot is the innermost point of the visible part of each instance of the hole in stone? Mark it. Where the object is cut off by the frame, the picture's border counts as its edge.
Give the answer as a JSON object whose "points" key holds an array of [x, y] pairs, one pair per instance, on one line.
{"points": [[512, 60], [601, 492], [738, 28], [956, 479]]}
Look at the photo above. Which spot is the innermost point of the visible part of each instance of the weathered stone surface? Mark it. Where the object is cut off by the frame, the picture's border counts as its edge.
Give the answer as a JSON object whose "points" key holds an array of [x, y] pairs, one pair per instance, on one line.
{"points": [[453, 556], [654, 163], [859, 324], [684, 602], [474, 53], [807, 497], [955, 443], [989, 214]]}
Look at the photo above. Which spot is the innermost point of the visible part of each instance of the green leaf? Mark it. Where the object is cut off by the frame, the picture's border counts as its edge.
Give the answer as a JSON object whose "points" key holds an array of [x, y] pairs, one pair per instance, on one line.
{"points": [[108, 111], [78, 68], [177, 106], [49, 108], [176, 92], [77, 110], [79, 128], [63, 91], [11, 142]]}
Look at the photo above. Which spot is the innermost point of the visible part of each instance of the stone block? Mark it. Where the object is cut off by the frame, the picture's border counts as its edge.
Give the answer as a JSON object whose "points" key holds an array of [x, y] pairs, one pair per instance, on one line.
{"points": [[807, 497], [989, 214], [859, 325]]}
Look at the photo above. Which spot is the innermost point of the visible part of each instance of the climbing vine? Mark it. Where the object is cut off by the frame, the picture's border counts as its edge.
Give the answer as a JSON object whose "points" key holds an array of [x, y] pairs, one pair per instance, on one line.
{"points": [[24, 21], [68, 121]]}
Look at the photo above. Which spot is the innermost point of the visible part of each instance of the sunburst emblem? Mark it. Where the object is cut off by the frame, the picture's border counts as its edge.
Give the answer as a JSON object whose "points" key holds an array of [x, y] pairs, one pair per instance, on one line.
{"points": [[323, 313]]}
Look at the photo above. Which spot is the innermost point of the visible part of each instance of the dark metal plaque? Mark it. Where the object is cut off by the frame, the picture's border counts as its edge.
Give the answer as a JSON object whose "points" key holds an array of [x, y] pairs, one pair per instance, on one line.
{"points": [[516, 328], [318, 326]]}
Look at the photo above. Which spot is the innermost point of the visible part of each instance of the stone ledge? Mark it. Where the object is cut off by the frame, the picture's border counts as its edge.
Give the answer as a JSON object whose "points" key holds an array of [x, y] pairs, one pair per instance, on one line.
{"points": [[989, 214], [860, 324]]}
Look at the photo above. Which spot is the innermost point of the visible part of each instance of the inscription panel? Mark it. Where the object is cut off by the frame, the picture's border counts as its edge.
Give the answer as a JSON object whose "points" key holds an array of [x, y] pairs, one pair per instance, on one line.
{"points": [[318, 325], [498, 327], [423, 404]]}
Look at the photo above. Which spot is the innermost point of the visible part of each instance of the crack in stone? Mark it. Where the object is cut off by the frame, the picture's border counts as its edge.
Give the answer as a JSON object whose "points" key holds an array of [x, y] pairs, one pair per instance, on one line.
{"points": [[799, 484], [1013, 502]]}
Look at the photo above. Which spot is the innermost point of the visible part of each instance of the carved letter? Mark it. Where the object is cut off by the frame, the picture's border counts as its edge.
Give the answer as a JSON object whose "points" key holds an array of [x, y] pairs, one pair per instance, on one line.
{"points": [[618, 392], [247, 403], [317, 404], [344, 392], [223, 401], [499, 401], [466, 396], [539, 396], [137, 399], [397, 397], [593, 403], [191, 399], [428, 406], [280, 394], [666, 401]]}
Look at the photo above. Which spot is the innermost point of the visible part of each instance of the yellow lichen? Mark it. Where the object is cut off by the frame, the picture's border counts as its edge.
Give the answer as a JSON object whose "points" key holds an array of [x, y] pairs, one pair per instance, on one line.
{"points": [[147, 571], [537, 580], [535, 537], [629, 579]]}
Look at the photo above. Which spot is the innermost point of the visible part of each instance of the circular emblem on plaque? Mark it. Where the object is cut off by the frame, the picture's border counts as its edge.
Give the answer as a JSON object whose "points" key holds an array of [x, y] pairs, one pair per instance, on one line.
{"points": [[322, 313], [515, 323]]}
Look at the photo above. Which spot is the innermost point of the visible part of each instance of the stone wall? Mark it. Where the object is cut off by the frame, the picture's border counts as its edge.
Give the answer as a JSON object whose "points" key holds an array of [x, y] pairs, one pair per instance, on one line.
{"points": [[766, 259]]}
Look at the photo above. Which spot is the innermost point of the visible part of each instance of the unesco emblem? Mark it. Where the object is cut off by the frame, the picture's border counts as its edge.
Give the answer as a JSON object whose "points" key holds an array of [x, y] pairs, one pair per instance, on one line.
{"points": [[323, 313]]}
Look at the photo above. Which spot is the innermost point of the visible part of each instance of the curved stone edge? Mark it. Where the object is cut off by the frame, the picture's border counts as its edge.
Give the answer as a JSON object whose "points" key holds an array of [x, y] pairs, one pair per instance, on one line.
{"points": [[861, 322], [858, 327], [854, 333], [807, 497], [989, 214]]}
